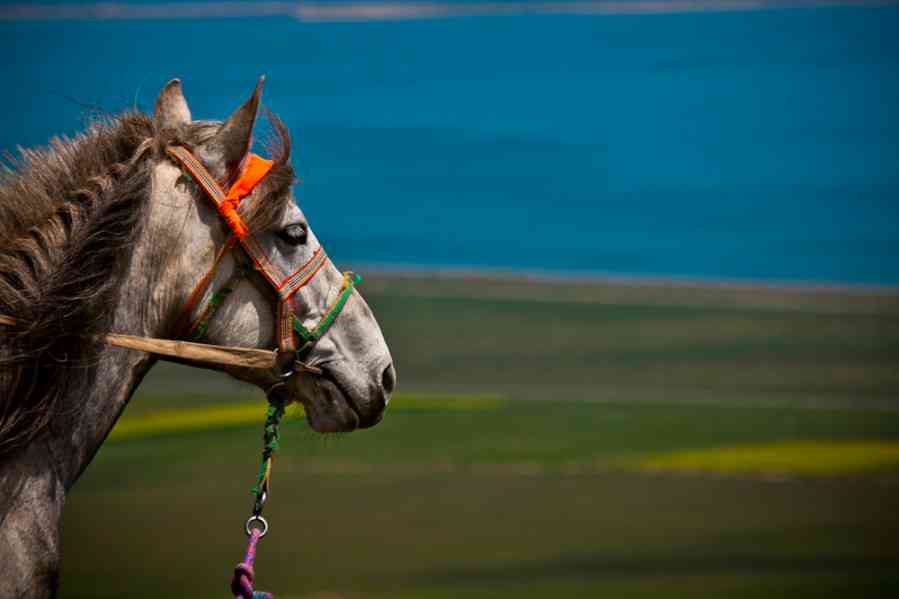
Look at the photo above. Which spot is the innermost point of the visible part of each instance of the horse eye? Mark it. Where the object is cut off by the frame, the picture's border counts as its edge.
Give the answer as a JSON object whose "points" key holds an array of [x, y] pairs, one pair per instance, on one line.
{"points": [[294, 234]]}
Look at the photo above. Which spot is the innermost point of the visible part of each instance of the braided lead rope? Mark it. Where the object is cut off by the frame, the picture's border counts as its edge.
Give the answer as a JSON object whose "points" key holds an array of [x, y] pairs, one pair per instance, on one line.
{"points": [[257, 526], [270, 438]]}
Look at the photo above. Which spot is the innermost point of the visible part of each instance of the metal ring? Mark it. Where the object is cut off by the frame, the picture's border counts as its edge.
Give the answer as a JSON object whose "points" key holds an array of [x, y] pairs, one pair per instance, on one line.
{"points": [[286, 374], [263, 527]]}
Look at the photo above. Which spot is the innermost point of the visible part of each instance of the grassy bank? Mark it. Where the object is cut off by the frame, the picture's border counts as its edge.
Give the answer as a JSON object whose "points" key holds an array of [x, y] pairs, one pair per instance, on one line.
{"points": [[647, 470]]}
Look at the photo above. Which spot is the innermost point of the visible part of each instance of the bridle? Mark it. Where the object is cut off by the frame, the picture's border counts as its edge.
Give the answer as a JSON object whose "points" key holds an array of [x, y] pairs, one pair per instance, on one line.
{"points": [[293, 338]]}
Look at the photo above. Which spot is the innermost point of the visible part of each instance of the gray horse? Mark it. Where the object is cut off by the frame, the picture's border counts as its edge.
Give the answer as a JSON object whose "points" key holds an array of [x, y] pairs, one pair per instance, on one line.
{"points": [[104, 233]]}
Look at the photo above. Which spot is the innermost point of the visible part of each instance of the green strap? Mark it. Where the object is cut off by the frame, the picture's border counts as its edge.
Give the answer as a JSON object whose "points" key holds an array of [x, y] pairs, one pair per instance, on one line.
{"points": [[215, 302], [350, 281]]}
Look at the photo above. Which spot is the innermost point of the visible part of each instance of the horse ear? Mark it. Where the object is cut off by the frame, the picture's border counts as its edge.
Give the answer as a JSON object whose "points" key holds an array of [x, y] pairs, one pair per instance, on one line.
{"points": [[171, 107], [232, 142]]}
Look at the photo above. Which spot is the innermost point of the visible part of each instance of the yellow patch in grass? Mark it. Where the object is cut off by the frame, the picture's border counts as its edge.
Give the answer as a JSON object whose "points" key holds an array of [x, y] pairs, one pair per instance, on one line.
{"points": [[190, 419], [249, 412], [787, 457]]}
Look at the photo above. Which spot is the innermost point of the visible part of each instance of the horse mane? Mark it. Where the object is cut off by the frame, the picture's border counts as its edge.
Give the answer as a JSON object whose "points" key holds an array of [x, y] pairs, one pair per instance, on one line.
{"points": [[68, 214]]}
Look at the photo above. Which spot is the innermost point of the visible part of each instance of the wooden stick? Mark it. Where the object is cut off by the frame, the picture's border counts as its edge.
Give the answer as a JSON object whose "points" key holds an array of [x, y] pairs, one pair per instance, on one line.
{"points": [[187, 350], [198, 352]]}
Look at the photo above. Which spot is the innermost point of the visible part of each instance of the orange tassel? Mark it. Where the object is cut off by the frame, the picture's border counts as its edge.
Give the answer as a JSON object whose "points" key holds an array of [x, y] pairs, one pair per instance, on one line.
{"points": [[229, 211], [254, 170]]}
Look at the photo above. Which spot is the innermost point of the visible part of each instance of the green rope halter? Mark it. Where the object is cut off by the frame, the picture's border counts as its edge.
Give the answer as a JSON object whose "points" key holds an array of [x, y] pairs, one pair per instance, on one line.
{"points": [[350, 280]]}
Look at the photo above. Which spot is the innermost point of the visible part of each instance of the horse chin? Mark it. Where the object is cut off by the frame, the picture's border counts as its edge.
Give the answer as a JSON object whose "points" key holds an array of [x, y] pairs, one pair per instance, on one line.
{"points": [[337, 401], [328, 409]]}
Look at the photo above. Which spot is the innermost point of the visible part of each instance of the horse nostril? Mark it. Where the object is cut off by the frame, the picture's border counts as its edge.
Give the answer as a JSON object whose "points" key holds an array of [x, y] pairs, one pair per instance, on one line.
{"points": [[388, 379]]}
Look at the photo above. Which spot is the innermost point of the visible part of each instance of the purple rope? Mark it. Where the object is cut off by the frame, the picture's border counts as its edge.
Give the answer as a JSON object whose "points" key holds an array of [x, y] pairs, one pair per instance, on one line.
{"points": [[242, 582]]}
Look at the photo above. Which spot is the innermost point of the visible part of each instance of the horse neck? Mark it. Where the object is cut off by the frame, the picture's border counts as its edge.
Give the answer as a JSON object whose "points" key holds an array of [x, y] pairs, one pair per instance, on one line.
{"points": [[33, 483], [172, 245], [153, 289]]}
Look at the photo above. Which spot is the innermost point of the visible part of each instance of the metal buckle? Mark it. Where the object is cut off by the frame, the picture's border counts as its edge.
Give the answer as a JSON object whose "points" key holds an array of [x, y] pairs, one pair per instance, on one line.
{"points": [[259, 503]]}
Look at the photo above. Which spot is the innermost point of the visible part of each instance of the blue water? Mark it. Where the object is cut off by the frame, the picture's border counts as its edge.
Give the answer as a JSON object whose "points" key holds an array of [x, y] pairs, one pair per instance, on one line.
{"points": [[759, 145]]}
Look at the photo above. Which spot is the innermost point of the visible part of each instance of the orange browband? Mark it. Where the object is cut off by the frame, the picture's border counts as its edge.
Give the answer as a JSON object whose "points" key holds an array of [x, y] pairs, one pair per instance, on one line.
{"points": [[255, 168]]}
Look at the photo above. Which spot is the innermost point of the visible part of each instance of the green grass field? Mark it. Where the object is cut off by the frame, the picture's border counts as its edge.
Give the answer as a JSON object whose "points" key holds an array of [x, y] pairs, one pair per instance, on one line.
{"points": [[689, 441]]}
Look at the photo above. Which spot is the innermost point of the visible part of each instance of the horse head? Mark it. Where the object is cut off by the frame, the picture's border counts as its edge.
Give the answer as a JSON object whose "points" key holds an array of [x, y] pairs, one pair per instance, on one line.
{"points": [[270, 284]]}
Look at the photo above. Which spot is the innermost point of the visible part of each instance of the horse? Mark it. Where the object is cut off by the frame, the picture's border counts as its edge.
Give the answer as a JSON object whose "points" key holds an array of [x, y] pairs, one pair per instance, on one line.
{"points": [[107, 233]]}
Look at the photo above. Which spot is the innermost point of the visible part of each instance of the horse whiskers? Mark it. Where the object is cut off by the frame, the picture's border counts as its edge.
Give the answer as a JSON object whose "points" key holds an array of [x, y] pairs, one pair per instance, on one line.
{"points": [[302, 366], [318, 363]]}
